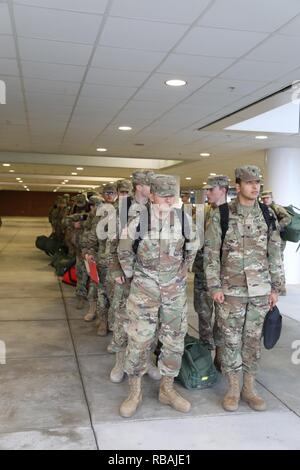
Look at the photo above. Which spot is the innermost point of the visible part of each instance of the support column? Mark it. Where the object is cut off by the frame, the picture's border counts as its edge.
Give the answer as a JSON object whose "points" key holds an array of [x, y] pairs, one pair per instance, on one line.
{"points": [[283, 178]]}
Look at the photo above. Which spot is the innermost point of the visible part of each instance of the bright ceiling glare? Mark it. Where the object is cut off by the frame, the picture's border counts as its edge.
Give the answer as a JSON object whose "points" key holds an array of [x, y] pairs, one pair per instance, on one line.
{"points": [[188, 178], [213, 174], [80, 168], [175, 82], [100, 149], [11, 171], [74, 174], [261, 137], [204, 154], [125, 128], [6, 164], [18, 179], [66, 181]]}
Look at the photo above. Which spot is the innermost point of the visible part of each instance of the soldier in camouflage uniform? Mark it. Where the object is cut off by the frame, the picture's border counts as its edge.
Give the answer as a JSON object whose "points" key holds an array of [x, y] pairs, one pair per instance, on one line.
{"points": [[157, 300], [97, 249], [141, 184], [185, 196], [78, 222], [245, 282], [217, 189], [284, 219]]}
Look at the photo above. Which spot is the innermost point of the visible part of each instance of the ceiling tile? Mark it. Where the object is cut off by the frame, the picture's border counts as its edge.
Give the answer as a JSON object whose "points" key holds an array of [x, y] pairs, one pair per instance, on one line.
{"points": [[278, 48], [219, 42], [9, 67], [54, 52], [160, 95], [56, 25], [225, 86], [157, 82], [35, 85], [92, 6], [171, 11], [293, 28], [124, 78], [104, 92], [5, 23], [181, 64], [45, 99], [7, 46], [67, 73], [265, 71], [133, 34], [250, 15], [126, 59]]}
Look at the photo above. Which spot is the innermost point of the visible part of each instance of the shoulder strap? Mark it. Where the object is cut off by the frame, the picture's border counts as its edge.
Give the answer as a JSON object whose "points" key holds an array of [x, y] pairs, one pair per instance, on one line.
{"points": [[146, 226], [224, 215], [269, 219]]}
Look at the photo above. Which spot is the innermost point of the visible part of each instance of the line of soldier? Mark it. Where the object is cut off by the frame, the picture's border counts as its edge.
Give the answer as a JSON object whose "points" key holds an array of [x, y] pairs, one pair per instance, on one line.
{"points": [[141, 296]]}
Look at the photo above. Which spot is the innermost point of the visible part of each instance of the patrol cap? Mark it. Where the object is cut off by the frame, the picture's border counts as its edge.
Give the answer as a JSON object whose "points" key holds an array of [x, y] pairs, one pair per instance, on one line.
{"points": [[164, 185], [80, 200], [267, 193], [142, 177], [111, 187], [185, 192], [124, 185], [95, 200], [248, 173], [67, 196], [218, 180]]}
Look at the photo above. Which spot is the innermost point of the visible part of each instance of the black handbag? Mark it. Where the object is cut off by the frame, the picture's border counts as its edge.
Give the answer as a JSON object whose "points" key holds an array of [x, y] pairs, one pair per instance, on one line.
{"points": [[272, 328]]}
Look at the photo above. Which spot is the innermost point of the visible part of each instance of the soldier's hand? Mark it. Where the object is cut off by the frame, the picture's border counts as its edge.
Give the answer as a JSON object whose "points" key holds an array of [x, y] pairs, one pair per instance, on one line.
{"points": [[120, 280], [273, 299], [218, 297], [89, 258]]}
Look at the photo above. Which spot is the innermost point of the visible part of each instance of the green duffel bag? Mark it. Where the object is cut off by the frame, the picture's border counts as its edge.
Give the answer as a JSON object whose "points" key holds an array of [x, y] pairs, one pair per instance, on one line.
{"points": [[291, 233], [62, 262], [197, 368]]}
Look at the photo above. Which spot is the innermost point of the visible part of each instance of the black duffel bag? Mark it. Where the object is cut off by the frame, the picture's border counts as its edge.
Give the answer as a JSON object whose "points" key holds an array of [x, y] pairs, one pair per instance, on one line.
{"points": [[272, 328]]}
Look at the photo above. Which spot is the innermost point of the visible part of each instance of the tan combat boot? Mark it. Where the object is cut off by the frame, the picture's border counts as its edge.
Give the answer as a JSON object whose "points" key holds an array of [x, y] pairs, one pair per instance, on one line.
{"points": [[117, 373], [217, 359], [91, 314], [130, 405], [80, 303], [152, 370], [249, 394], [232, 397], [169, 396], [102, 327]]}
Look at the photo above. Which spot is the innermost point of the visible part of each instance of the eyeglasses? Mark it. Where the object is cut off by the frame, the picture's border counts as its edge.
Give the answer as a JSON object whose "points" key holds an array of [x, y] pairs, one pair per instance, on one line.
{"points": [[110, 193]]}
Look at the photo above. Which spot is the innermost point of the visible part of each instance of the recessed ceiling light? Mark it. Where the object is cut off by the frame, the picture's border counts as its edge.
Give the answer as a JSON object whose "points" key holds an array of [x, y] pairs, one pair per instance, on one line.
{"points": [[80, 168], [101, 149], [27, 189], [11, 171], [176, 82], [125, 128], [66, 181], [18, 179], [104, 184], [188, 178], [63, 182], [6, 164], [213, 174], [74, 174], [261, 137], [111, 182], [204, 182], [205, 154]]}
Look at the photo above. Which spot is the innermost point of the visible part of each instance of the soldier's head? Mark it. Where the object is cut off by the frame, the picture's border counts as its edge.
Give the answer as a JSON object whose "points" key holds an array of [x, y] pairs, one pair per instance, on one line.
{"points": [[248, 180], [61, 202], [95, 201], [80, 201], [185, 196], [267, 197], [217, 189], [124, 188], [141, 181], [110, 193], [163, 191]]}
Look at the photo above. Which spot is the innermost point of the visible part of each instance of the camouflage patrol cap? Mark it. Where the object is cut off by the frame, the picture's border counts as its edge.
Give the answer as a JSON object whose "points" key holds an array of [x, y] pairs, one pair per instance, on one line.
{"points": [[248, 173], [124, 185], [95, 200], [67, 196], [80, 200], [185, 192], [267, 193], [111, 187], [218, 180], [163, 185], [142, 177]]}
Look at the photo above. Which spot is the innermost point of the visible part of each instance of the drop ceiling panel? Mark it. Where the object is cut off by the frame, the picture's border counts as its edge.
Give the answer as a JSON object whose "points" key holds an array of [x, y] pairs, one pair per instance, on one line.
{"points": [[54, 52], [5, 24], [219, 42], [171, 11], [107, 92], [250, 15], [49, 99], [241, 87], [134, 34], [89, 6], [157, 82], [35, 85], [7, 46], [126, 59], [112, 78], [260, 71], [181, 64], [56, 25], [68, 73], [293, 28], [8, 67], [278, 48], [160, 95]]}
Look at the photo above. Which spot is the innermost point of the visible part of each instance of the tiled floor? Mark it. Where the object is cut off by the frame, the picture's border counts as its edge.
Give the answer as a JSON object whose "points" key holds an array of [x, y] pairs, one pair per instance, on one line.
{"points": [[55, 391]]}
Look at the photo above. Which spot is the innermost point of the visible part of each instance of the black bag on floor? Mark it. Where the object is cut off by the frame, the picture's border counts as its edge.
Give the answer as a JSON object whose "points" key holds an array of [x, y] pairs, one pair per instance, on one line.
{"points": [[50, 245], [272, 328]]}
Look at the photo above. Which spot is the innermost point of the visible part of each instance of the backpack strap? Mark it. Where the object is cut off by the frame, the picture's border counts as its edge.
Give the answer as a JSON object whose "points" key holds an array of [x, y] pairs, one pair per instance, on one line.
{"points": [[269, 218], [224, 220]]}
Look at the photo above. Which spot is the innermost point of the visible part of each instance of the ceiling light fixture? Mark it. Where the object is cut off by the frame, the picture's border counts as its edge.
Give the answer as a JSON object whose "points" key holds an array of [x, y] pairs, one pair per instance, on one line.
{"points": [[6, 164], [11, 171], [18, 179], [125, 128], [213, 174], [188, 178], [204, 154], [175, 82], [101, 149], [74, 174], [80, 168], [261, 137]]}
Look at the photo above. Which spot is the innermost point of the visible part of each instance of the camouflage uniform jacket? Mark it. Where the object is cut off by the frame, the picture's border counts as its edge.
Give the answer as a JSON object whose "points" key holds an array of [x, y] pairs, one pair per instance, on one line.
{"points": [[251, 262], [282, 215], [161, 255], [198, 263]]}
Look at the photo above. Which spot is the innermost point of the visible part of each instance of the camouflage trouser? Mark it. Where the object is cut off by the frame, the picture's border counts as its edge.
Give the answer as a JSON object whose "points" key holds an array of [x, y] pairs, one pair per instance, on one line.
{"points": [[282, 248], [204, 307], [241, 321], [151, 307], [104, 296], [121, 293], [82, 278], [92, 293]]}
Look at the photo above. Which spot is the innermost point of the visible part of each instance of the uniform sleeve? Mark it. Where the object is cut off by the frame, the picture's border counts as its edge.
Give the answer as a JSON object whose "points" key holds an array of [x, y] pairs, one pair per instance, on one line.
{"points": [[126, 252], [212, 247], [192, 245], [91, 243], [275, 261], [283, 217]]}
